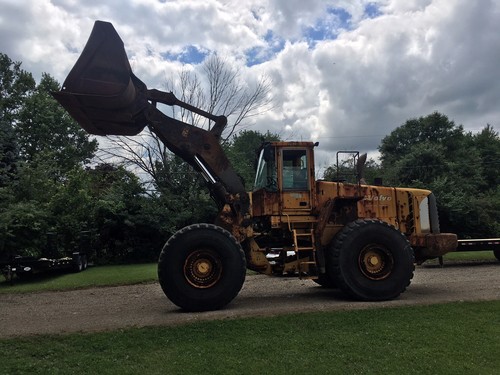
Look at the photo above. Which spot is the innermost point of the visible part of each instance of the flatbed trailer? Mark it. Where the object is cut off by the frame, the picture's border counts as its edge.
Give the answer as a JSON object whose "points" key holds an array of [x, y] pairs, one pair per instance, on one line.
{"points": [[480, 244], [477, 244], [24, 267]]}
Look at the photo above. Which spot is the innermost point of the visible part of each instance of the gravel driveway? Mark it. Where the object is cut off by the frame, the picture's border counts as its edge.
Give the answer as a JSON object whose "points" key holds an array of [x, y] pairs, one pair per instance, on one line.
{"points": [[100, 309]]}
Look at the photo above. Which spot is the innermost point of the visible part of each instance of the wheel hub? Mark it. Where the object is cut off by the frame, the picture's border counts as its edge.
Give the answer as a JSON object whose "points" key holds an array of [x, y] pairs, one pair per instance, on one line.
{"points": [[202, 268], [375, 262]]}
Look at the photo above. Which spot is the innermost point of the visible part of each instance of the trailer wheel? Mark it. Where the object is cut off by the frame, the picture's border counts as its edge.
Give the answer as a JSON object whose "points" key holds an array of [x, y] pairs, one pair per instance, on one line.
{"points": [[85, 262], [497, 254], [25, 275], [201, 267], [77, 264], [371, 261]]}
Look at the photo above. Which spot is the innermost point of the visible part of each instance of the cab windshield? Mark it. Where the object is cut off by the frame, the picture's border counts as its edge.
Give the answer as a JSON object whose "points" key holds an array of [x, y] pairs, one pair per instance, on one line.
{"points": [[266, 177]]}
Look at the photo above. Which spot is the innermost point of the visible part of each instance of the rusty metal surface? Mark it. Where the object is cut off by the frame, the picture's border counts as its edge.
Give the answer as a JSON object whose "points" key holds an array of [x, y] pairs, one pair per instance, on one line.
{"points": [[433, 245], [265, 203], [101, 93]]}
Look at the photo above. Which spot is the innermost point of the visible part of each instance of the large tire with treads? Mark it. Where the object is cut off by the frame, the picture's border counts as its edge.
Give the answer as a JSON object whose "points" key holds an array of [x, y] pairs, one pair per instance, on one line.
{"points": [[201, 267], [370, 260], [325, 281]]}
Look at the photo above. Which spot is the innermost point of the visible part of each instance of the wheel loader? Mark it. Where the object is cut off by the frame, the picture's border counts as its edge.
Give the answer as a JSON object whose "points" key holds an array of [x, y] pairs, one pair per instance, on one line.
{"points": [[363, 239]]}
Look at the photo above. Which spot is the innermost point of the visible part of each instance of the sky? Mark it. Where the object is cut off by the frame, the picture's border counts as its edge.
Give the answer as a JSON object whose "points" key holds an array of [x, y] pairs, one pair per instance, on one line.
{"points": [[344, 73]]}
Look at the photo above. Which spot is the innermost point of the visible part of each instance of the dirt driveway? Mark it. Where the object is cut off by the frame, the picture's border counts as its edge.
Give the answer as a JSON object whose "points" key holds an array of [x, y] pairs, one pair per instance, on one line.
{"points": [[100, 309]]}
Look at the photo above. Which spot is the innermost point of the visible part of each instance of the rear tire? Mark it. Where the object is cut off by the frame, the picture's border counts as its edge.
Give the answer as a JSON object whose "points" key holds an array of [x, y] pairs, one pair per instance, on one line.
{"points": [[371, 261], [201, 267], [497, 254]]}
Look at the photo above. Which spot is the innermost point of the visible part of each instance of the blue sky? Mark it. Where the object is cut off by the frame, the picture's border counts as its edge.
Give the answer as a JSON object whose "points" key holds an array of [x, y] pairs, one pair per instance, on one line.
{"points": [[344, 72]]}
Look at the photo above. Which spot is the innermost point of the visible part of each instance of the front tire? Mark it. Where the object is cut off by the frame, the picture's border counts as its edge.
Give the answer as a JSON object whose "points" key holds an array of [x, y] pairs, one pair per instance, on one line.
{"points": [[371, 261], [201, 267], [325, 281]]}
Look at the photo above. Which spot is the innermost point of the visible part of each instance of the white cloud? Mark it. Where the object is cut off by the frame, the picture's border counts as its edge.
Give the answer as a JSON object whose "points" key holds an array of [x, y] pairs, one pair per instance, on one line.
{"points": [[365, 75], [407, 64]]}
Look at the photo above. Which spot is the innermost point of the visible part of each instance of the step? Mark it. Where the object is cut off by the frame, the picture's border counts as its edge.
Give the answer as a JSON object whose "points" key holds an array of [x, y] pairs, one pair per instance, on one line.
{"points": [[303, 234], [304, 248]]}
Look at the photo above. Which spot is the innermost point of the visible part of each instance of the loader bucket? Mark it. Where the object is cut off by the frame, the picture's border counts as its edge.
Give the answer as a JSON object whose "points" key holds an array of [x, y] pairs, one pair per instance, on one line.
{"points": [[101, 93]]}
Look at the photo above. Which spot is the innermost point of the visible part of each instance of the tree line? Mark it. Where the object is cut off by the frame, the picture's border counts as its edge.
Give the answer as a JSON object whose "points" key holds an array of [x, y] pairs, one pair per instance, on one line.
{"points": [[60, 190]]}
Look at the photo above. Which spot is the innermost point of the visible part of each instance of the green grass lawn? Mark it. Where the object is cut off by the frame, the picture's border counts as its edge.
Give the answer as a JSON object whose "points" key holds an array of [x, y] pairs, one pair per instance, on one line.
{"points": [[456, 338], [470, 255], [91, 277], [464, 257]]}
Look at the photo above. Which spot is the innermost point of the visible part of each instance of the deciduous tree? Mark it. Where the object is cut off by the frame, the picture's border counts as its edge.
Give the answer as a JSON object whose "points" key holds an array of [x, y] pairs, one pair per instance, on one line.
{"points": [[433, 152], [45, 128]]}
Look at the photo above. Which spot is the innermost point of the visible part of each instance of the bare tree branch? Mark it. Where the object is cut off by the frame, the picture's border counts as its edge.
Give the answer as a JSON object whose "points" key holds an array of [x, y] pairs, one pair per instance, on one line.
{"points": [[226, 95]]}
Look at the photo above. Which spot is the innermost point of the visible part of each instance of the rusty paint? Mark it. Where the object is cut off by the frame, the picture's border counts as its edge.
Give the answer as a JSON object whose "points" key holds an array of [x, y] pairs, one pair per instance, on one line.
{"points": [[256, 258], [433, 245]]}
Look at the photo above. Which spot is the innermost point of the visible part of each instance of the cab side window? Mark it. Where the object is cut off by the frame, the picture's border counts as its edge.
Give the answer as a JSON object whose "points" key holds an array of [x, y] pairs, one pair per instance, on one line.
{"points": [[295, 175]]}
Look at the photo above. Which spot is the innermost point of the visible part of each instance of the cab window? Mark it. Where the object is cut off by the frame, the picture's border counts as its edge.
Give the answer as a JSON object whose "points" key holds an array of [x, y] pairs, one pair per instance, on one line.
{"points": [[295, 176], [266, 176]]}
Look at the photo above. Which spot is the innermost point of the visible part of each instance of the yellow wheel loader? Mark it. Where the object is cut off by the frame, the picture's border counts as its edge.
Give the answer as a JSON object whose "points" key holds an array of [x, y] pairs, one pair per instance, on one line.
{"points": [[360, 238]]}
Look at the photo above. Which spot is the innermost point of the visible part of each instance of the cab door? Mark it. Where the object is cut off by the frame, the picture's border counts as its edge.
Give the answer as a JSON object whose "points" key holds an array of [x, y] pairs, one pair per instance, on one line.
{"points": [[296, 180]]}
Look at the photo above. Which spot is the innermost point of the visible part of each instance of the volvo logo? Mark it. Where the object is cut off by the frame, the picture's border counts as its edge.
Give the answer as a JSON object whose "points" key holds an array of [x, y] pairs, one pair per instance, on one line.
{"points": [[378, 198]]}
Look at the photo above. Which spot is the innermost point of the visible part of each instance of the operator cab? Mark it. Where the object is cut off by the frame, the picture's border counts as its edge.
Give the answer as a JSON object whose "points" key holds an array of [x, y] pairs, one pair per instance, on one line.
{"points": [[284, 180]]}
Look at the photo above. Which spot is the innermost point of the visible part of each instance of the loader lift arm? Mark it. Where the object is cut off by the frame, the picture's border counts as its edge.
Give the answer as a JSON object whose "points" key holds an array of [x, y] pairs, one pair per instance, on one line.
{"points": [[201, 149], [106, 98]]}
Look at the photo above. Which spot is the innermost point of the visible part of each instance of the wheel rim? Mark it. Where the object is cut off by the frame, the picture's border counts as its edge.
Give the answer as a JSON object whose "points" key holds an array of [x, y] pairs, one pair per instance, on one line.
{"points": [[376, 262], [203, 268]]}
